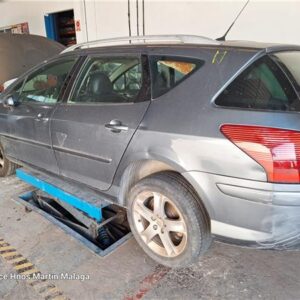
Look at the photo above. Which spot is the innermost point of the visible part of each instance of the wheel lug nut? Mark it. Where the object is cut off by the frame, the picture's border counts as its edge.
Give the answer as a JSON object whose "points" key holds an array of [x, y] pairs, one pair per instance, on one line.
{"points": [[152, 218], [154, 227], [162, 232]]}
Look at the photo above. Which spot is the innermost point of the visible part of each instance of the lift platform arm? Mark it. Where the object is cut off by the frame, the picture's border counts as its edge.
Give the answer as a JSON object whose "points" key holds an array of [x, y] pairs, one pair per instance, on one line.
{"points": [[52, 186]]}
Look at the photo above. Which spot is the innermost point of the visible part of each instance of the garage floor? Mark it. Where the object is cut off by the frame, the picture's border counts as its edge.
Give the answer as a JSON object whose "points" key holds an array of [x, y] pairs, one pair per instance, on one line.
{"points": [[227, 272]]}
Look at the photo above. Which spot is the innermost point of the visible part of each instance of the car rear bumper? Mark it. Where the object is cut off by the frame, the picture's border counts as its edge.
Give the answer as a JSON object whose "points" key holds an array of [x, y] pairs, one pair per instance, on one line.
{"points": [[247, 210]]}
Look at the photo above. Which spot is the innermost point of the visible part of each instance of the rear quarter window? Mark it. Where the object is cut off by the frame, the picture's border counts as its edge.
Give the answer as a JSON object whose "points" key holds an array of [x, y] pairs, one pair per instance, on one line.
{"points": [[290, 62], [262, 86], [168, 72]]}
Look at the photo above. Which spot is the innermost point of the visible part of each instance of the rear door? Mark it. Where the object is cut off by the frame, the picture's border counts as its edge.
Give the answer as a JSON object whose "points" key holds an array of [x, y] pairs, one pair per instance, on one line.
{"points": [[91, 130], [28, 138]]}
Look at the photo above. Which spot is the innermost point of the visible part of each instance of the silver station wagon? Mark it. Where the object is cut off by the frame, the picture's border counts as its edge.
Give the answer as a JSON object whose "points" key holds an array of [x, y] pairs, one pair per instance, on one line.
{"points": [[197, 138]]}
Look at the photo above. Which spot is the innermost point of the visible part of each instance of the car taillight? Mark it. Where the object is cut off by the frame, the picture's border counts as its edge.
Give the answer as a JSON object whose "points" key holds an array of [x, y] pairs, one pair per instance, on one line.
{"points": [[1, 88], [276, 150]]}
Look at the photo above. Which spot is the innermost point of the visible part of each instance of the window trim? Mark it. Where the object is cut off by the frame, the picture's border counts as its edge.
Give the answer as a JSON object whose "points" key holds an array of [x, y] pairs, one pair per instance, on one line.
{"points": [[252, 61], [143, 95], [156, 57]]}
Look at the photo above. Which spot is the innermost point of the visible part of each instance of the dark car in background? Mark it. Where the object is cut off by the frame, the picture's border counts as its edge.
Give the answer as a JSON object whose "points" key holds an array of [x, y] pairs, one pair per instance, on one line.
{"points": [[195, 138], [20, 52]]}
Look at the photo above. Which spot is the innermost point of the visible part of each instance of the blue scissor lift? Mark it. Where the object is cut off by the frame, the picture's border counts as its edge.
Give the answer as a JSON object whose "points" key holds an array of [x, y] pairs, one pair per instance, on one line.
{"points": [[83, 206]]}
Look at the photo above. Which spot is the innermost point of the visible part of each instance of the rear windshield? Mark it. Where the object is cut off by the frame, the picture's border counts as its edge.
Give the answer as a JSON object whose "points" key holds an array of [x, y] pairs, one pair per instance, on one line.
{"points": [[262, 86]]}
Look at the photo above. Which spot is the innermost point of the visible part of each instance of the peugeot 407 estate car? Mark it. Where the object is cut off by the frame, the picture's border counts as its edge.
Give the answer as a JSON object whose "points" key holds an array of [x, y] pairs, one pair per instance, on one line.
{"points": [[196, 138]]}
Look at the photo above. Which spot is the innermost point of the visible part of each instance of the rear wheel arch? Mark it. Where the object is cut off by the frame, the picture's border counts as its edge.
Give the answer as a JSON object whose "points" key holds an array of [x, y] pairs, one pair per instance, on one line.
{"points": [[137, 171], [144, 168]]}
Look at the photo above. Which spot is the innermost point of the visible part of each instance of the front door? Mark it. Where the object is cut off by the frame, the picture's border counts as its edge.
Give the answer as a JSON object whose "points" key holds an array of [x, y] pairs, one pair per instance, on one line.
{"points": [[90, 132], [29, 121]]}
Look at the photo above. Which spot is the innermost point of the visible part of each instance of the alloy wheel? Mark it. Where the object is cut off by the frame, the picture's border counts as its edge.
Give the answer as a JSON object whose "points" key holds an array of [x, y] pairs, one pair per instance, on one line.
{"points": [[160, 224]]}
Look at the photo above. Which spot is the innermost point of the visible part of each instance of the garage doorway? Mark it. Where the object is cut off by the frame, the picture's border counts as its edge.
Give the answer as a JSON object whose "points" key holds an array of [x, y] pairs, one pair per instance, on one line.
{"points": [[60, 26]]}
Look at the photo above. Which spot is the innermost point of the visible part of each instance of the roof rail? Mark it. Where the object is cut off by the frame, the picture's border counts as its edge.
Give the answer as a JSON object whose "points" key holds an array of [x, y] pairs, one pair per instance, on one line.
{"points": [[144, 39]]}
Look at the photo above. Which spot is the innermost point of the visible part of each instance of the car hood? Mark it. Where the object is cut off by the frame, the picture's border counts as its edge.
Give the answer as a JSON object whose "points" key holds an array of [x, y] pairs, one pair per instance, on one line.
{"points": [[20, 52]]}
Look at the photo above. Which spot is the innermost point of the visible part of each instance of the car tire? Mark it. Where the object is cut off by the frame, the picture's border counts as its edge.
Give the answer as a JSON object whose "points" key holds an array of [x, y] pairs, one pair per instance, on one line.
{"points": [[168, 219], [7, 167]]}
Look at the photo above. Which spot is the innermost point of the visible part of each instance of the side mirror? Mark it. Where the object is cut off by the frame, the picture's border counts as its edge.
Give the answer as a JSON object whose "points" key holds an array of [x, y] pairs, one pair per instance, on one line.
{"points": [[10, 101]]}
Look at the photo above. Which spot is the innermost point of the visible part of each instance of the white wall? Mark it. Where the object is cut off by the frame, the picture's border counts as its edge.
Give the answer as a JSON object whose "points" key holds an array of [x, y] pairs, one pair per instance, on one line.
{"points": [[273, 21]]}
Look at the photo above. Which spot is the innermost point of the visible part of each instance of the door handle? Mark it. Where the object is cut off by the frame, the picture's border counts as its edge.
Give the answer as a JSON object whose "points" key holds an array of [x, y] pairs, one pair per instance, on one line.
{"points": [[40, 117], [116, 126]]}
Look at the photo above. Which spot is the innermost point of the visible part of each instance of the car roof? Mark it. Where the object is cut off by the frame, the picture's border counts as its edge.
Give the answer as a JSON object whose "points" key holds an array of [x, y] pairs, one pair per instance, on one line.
{"points": [[258, 45], [248, 44], [234, 44]]}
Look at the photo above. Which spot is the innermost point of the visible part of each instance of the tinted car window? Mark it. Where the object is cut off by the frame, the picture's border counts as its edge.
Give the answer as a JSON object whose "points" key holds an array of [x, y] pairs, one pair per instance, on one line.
{"points": [[262, 86], [291, 61], [44, 85], [129, 83], [168, 72], [108, 80]]}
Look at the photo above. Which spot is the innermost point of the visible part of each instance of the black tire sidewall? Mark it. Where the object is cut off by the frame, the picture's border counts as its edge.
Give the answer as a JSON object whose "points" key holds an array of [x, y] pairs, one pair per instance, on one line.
{"points": [[191, 212]]}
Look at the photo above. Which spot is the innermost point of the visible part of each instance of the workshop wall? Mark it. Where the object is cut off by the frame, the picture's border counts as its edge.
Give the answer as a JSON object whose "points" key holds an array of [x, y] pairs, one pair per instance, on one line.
{"points": [[268, 21], [273, 21]]}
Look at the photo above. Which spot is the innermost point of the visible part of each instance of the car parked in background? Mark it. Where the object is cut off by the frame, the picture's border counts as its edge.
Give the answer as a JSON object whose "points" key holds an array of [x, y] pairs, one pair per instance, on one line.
{"points": [[196, 138], [20, 52]]}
